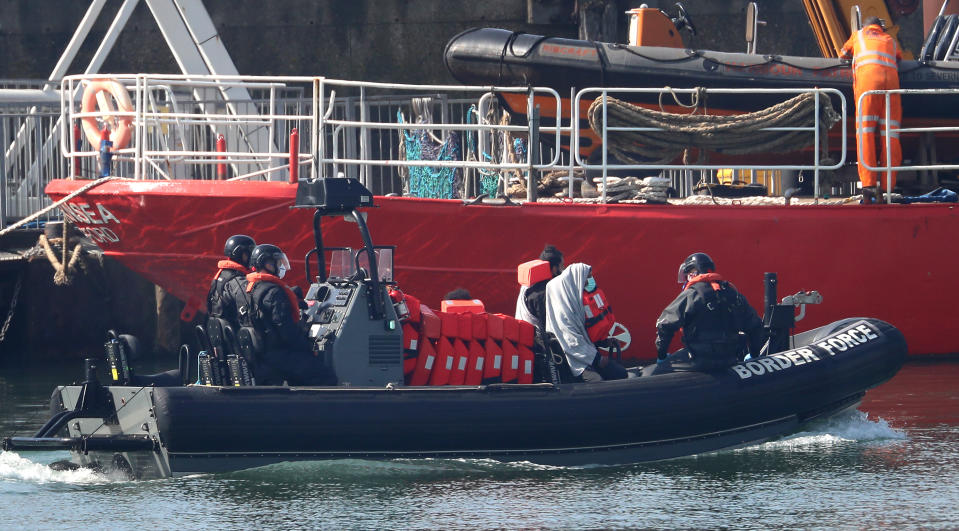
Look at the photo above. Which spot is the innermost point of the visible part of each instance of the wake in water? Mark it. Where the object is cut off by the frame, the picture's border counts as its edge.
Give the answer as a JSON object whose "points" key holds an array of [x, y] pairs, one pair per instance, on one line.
{"points": [[851, 426], [16, 468], [412, 469]]}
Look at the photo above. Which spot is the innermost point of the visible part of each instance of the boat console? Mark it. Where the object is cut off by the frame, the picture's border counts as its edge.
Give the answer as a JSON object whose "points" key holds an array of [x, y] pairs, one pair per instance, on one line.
{"points": [[350, 316], [361, 348]]}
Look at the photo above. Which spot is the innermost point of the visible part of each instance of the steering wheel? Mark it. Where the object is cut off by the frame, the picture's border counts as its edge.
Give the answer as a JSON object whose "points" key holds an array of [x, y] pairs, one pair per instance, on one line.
{"points": [[682, 20]]}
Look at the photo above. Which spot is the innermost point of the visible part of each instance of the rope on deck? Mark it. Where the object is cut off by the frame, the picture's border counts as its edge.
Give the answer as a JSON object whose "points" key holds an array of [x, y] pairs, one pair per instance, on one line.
{"points": [[732, 134]]}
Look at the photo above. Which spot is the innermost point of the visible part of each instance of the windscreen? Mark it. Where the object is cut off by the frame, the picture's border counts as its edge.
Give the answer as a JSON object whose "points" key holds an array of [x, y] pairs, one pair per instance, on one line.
{"points": [[344, 260]]}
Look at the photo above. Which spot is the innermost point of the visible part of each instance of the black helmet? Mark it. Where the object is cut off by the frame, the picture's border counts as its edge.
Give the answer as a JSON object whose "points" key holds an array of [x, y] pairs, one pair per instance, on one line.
{"points": [[265, 253], [701, 262], [237, 246]]}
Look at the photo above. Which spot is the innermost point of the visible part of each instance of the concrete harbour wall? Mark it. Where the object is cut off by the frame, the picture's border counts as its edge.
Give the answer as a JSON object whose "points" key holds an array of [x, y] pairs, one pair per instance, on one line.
{"points": [[375, 40]]}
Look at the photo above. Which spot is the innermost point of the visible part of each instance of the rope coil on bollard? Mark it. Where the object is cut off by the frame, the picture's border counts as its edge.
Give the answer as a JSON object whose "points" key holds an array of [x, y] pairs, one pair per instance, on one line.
{"points": [[62, 269]]}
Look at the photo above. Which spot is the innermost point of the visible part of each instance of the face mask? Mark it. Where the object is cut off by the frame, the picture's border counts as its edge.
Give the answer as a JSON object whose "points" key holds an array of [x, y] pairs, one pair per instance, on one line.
{"points": [[281, 271], [590, 284]]}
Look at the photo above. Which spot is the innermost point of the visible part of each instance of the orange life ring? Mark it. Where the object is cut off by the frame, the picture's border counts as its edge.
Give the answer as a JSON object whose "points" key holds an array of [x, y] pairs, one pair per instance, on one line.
{"points": [[120, 126]]}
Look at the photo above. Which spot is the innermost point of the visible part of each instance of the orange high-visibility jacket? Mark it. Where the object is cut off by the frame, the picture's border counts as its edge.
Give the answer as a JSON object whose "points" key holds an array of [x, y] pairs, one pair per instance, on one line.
{"points": [[875, 55], [875, 67]]}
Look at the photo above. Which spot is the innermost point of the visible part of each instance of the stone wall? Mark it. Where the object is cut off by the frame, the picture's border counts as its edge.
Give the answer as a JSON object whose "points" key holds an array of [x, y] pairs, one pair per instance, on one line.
{"points": [[71, 321], [375, 40]]}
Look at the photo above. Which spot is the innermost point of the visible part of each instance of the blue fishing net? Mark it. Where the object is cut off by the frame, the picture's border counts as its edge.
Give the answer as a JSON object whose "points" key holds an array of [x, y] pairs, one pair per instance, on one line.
{"points": [[432, 182]]}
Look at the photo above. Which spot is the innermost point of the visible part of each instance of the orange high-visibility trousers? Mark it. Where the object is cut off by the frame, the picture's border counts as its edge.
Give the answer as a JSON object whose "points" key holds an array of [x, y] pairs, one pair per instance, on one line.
{"points": [[871, 119]]}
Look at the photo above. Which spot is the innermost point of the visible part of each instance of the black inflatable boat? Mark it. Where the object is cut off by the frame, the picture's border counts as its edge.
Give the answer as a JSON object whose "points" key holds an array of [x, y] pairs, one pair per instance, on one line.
{"points": [[159, 431]]}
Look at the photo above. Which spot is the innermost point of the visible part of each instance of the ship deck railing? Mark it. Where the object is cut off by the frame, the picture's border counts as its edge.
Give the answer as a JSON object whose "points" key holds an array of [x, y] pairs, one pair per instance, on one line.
{"points": [[816, 164], [346, 128], [928, 170]]}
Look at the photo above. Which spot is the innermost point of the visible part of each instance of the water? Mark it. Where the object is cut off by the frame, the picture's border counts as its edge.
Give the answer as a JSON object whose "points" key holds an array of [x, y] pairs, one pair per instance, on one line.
{"points": [[893, 464]]}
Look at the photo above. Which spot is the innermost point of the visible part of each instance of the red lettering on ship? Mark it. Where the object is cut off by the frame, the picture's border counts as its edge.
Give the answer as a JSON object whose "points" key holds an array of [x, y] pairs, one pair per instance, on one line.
{"points": [[579, 51]]}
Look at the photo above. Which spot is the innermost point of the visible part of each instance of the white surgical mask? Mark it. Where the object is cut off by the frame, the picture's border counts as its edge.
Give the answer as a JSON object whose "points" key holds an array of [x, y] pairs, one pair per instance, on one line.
{"points": [[281, 271]]}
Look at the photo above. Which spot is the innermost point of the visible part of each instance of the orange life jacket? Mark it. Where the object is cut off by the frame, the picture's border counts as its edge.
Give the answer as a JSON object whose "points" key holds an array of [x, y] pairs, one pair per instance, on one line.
{"points": [[259, 276], [223, 265], [529, 273], [712, 278], [599, 315], [462, 306]]}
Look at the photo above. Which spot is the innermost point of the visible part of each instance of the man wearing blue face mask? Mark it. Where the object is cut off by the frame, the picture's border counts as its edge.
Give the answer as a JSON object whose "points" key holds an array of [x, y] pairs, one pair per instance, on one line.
{"points": [[578, 315], [288, 352]]}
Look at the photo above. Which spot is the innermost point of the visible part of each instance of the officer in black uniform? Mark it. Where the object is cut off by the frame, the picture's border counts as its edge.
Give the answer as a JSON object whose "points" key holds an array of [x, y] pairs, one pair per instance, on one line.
{"points": [[226, 298], [717, 321], [287, 350]]}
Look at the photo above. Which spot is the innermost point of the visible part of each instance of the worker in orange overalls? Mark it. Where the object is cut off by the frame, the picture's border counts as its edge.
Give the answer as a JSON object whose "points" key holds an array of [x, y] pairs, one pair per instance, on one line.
{"points": [[875, 66]]}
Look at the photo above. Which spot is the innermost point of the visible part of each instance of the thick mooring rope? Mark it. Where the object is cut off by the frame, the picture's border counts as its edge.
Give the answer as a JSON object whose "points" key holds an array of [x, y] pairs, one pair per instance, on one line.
{"points": [[56, 204], [732, 134], [13, 308], [61, 269]]}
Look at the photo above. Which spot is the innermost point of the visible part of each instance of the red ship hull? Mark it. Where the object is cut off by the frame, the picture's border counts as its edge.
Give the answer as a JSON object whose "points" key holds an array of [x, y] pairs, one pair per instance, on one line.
{"points": [[891, 262]]}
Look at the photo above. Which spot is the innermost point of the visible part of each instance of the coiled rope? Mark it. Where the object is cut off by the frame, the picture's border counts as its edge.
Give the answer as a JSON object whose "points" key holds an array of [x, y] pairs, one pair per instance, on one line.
{"points": [[733, 134]]}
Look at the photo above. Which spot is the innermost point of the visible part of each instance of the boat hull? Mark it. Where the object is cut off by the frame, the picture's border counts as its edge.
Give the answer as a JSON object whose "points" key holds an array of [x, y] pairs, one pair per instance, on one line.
{"points": [[213, 429], [889, 261]]}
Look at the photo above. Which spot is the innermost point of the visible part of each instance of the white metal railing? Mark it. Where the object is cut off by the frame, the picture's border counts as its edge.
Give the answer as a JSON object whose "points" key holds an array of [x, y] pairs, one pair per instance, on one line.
{"points": [[27, 160], [895, 130], [249, 127], [156, 110], [815, 165], [484, 93], [350, 127], [177, 120]]}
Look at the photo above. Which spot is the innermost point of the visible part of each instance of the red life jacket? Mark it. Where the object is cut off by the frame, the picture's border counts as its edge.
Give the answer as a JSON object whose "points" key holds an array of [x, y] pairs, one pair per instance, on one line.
{"points": [[253, 278], [510, 371], [425, 361], [474, 369], [445, 357], [461, 360], [599, 315], [526, 360], [493, 364]]}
